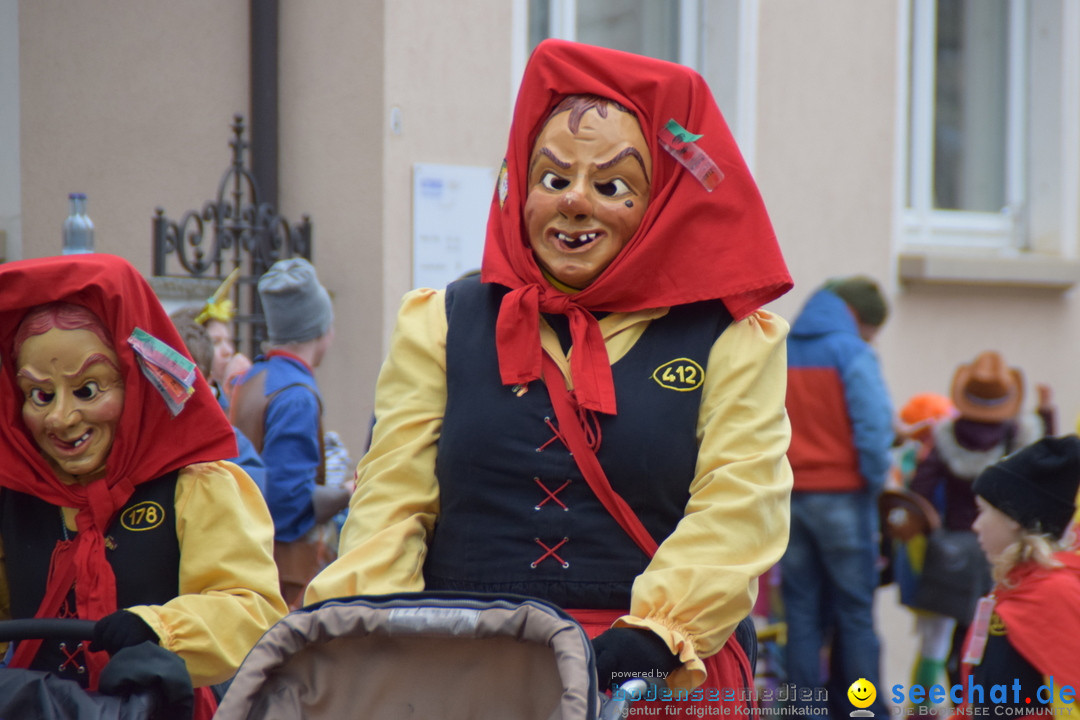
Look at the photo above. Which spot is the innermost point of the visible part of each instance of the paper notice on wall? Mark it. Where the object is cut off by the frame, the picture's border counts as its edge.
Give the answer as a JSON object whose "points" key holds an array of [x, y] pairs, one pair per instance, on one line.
{"points": [[450, 211]]}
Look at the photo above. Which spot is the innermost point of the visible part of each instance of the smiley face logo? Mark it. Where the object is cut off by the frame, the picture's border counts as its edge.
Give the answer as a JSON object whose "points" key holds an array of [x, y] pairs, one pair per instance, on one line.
{"points": [[862, 693]]}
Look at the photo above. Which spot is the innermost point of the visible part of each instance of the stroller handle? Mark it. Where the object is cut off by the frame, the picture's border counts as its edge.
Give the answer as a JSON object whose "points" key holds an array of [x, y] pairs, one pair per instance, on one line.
{"points": [[34, 628]]}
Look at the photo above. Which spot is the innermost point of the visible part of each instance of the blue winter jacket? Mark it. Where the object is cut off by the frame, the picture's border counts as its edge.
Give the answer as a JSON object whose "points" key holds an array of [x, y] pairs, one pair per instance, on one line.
{"points": [[841, 414]]}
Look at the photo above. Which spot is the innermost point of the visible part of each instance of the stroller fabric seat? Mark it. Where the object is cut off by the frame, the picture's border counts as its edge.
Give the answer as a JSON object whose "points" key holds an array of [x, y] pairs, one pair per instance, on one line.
{"points": [[437, 656]]}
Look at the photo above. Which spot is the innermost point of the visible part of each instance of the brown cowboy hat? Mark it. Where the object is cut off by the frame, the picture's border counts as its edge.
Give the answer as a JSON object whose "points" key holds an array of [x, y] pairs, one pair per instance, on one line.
{"points": [[986, 390], [905, 514]]}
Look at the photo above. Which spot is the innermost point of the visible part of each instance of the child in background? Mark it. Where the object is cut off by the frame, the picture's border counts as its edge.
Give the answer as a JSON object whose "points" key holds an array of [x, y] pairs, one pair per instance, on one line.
{"points": [[915, 432], [918, 419], [990, 423], [1031, 636], [204, 351], [216, 316]]}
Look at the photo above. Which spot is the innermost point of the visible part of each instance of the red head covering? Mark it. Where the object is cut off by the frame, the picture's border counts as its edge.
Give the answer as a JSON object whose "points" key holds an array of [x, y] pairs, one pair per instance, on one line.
{"points": [[692, 244], [149, 440]]}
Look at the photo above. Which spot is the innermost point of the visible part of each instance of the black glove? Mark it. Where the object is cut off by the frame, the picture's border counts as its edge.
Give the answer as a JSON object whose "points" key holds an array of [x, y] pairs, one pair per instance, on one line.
{"points": [[147, 669], [120, 630], [624, 653]]}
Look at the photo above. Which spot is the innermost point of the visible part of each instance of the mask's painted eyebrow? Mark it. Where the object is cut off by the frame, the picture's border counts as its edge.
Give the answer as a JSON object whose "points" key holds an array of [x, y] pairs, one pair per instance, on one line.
{"points": [[631, 152], [550, 156], [24, 373], [94, 359]]}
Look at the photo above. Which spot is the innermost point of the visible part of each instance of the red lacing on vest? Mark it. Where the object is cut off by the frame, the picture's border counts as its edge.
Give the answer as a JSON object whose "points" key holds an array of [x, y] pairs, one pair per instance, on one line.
{"points": [[72, 658], [550, 552], [590, 424], [556, 435], [66, 611], [551, 494]]}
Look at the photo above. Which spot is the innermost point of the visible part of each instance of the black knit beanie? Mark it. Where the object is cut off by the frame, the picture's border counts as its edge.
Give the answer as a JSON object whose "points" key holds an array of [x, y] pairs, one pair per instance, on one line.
{"points": [[1036, 486], [863, 296]]}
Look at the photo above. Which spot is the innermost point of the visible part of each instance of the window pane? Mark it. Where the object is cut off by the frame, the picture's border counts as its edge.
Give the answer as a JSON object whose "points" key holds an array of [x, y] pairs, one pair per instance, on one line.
{"points": [[970, 105], [539, 22], [645, 27]]}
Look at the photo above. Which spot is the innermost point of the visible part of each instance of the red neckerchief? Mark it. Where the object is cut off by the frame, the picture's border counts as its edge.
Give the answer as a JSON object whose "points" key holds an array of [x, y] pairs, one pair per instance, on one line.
{"points": [[287, 354], [149, 440], [692, 244]]}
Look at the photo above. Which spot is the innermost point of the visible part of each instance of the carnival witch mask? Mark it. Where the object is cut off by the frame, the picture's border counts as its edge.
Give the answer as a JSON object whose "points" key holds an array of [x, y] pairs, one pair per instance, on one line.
{"points": [[588, 188], [72, 387]]}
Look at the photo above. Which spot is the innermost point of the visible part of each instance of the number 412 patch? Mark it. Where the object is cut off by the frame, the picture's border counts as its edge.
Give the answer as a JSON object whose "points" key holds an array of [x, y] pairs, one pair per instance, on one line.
{"points": [[681, 374]]}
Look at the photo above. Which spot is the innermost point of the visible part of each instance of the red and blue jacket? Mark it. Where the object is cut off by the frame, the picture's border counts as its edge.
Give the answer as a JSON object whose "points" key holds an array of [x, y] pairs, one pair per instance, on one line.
{"points": [[840, 411]]}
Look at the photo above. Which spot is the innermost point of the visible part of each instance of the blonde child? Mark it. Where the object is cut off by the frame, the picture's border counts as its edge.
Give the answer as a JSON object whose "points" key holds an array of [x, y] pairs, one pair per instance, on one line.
{"points": [[1028, 630]]}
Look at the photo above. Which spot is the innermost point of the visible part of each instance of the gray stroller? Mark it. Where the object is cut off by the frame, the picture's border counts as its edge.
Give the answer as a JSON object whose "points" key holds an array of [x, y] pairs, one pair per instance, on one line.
{"points": [[421, 655]]}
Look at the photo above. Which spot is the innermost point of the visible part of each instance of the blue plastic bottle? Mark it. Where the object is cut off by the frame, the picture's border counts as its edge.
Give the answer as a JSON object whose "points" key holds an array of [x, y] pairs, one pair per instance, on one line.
{"points": [[78, 229]]}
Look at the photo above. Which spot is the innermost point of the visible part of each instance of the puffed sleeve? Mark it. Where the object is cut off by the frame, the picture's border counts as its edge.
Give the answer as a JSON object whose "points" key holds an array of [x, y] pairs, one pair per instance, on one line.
{"points": [[228, 580], [703, 579], [393, 510]]}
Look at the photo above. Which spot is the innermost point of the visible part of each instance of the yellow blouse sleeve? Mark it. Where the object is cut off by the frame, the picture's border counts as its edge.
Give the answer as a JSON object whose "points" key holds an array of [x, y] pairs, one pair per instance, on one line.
{"points": [[228, 580], [393, 510], [703, 579]]}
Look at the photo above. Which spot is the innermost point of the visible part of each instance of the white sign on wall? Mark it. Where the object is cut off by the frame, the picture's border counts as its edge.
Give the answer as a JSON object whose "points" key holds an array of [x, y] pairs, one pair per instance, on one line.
{"points": [[450, 212]]}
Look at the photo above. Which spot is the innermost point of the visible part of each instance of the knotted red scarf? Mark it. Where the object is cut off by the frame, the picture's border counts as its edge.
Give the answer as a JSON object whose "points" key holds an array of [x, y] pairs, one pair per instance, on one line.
{"points": [[692, 244], [149, 441]]}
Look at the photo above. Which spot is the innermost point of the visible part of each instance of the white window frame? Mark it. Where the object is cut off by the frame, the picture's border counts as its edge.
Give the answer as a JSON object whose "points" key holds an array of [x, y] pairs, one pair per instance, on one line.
{"points": [[718, 38], [1034, 240], [922, 223], [563, 25]]}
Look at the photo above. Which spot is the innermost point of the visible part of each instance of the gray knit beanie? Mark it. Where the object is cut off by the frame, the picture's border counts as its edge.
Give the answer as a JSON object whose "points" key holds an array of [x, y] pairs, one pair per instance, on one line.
{"points": [[297, 307]]}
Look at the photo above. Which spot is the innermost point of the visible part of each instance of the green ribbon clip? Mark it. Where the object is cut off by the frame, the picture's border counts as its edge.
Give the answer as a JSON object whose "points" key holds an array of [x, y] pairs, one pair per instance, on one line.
{"points": [[681, 133]]}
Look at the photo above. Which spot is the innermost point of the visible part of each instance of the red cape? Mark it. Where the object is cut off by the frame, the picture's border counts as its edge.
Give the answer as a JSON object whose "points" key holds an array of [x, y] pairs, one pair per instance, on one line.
{"points": [[692, 244], [1041, 611]]}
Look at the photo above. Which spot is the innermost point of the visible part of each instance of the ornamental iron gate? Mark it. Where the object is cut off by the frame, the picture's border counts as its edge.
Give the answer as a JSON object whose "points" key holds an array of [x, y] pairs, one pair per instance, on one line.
{"points": [[235, 230]]}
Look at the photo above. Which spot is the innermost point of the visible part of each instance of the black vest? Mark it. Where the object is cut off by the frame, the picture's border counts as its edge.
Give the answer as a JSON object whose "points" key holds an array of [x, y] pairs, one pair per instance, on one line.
{"points": [[516, 515], [141, 546]]}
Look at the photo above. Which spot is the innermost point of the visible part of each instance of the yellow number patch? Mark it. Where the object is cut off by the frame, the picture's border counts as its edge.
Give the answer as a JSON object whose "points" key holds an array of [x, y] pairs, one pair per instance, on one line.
{"points": [[682, 374], [146, 515]]}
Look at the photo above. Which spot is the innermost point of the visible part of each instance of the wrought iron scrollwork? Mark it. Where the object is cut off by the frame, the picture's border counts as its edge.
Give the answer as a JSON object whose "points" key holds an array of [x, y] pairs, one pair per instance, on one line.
{"points": [[234, 230]]}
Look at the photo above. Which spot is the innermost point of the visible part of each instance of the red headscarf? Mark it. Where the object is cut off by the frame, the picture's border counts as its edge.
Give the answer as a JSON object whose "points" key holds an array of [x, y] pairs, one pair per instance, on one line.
{"points": [[692, 244], [149, 441]]}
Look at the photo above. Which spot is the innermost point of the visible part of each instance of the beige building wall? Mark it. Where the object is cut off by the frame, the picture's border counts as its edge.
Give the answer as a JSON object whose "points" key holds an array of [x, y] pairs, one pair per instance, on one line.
{"points": [[825, 159], [344, 162], [131, 101], [331, 166]]}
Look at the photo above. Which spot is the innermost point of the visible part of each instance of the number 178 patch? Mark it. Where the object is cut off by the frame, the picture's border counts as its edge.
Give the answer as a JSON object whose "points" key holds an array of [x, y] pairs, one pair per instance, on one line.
{"points": [[146, 515], [681, 374]]}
